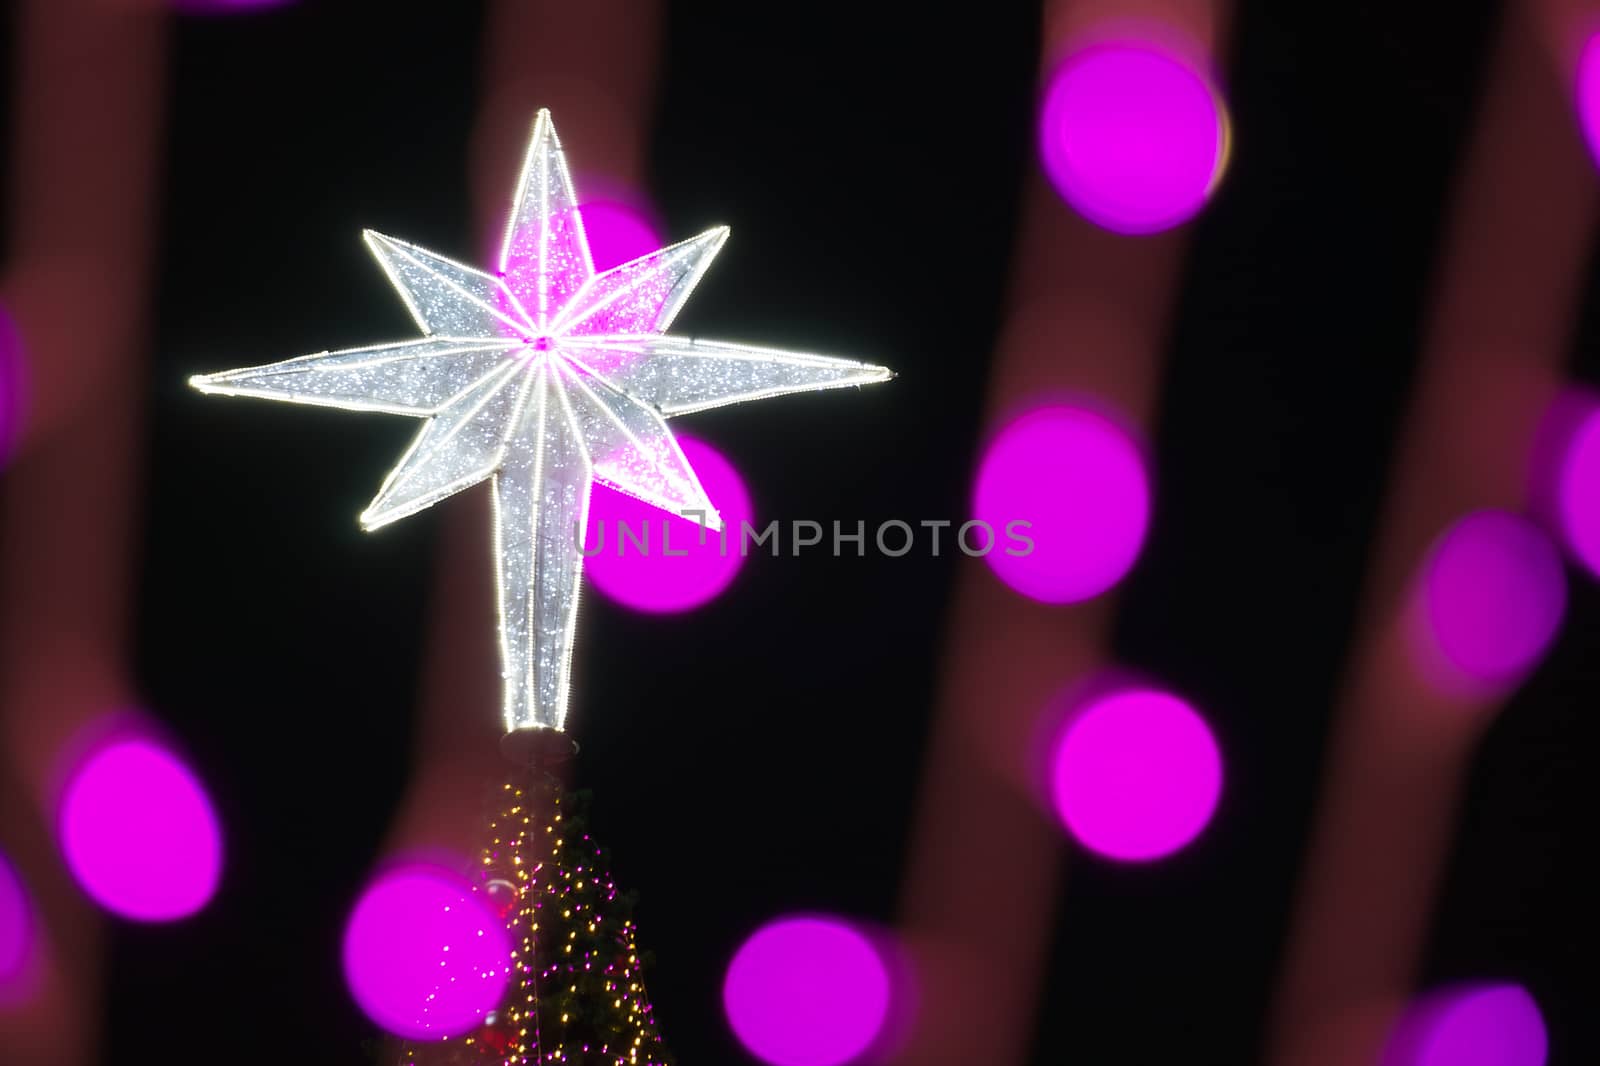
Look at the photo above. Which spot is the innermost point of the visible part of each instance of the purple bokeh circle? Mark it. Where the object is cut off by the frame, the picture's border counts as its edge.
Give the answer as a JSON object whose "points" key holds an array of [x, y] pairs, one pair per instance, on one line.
{"points": [[139, 833], [1578, 493], [647, 578], [424, 956], [1132, 136], [13, 386], [1495, 593], [1588, 94], [1080, 480], [1472, 1025], [16, 927], [617, 231], [1136, 775], [807, 991]]}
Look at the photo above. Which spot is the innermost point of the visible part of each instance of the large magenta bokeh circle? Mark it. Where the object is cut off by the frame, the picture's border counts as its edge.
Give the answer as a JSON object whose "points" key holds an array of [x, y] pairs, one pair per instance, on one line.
{"points": [[1078, 480], [139, 833], [424, 956], [1477, 1024], [1588, 94], [1495, 593], [1136, 775], [807, 991], [1133, 136], [702, 563], [13, 386], [16, 927]]}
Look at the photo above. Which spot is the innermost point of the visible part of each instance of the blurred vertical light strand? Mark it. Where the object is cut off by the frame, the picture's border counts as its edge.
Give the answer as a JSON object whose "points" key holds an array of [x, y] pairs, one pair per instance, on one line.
{"points": [[1570, 478], [1504, 307], [90, 80], [1085, 329]]}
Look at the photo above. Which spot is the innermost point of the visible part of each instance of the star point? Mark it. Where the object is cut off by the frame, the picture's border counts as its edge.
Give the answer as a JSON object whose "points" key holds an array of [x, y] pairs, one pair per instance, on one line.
{"points": [[542, 378]]}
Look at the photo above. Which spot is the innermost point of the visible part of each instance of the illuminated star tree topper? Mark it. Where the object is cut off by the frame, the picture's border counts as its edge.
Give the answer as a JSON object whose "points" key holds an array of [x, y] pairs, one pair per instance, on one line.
{"points": [[542, 378]]}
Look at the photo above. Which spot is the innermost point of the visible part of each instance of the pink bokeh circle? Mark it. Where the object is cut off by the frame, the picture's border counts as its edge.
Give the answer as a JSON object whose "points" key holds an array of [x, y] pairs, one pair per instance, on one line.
{"points": [[1495, 593], [16, 928], [424, 956], [617, 231], [1588, 94], [1079, 480], [628, 541], [1136, 775], [139, 833], [13, 386], [1578, 493], [807, 991], [1133, 136], [1477, 1024]]}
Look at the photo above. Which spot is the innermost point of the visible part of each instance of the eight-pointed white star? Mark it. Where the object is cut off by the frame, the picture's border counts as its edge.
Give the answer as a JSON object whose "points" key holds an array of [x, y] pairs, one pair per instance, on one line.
{"points": [[543, 377]]}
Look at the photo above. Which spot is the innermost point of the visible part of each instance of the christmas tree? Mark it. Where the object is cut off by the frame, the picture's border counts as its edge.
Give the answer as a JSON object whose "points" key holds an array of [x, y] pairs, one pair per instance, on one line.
{"points": [[577, 997]]}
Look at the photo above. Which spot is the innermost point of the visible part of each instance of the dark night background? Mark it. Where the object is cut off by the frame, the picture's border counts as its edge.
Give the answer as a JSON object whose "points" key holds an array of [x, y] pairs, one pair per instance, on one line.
{"points": [[761, 755]]}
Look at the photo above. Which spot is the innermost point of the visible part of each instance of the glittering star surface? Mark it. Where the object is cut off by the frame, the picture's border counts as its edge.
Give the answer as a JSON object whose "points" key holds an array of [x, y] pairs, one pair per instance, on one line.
{"points": [[542, 378]]}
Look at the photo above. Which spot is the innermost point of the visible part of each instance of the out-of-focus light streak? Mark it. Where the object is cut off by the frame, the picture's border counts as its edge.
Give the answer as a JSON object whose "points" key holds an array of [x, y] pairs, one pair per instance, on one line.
{"points": [[139, 833], [1133, 135], [424, 956], [1477, 1024], [644, 558], [1136, 775], [808, 991], [1073, 483]]}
